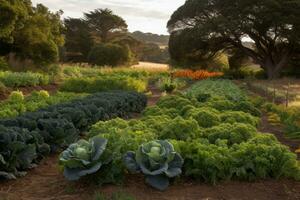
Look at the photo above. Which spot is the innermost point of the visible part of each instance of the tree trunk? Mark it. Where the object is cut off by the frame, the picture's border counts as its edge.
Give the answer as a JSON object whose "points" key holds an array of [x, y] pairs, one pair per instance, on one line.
{"points": [[273, 69]]}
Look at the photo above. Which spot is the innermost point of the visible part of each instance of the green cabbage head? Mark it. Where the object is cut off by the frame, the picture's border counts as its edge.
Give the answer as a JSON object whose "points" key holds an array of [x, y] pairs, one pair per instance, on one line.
{"points": [[157, 160], [83, 158]]}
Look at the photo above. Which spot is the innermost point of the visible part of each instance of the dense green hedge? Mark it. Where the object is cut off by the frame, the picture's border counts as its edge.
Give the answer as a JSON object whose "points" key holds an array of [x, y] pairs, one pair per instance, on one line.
{"points": [[217, 141], [25, 139], [92, 85], [19, 79]]}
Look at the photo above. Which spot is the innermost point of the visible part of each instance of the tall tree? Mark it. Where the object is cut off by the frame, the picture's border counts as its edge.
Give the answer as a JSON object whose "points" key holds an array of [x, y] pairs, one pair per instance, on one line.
{"points": [[273, 25], [103, 23], [78, 39], [30, 32]]}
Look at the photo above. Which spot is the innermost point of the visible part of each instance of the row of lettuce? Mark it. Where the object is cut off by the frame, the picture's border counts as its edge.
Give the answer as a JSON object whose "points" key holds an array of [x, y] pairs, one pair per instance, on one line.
{"points": [[209, 133], [27, 138]]}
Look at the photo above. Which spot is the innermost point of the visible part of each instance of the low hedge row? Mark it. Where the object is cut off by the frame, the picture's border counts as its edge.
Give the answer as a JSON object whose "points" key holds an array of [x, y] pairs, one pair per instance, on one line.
{"points": [[100, 84], [20, 79], [27, 138]]}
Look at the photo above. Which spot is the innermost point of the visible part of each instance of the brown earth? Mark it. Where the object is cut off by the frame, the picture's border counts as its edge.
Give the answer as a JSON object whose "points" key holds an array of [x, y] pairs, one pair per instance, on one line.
{"points": [[46, 182]]}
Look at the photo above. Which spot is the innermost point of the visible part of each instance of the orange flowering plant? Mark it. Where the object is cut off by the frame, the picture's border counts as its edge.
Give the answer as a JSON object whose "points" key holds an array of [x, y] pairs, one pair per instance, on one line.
{"points": [[196, 75]]}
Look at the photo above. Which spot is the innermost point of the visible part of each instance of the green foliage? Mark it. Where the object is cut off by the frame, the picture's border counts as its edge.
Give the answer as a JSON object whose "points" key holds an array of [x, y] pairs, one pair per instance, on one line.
{"points": [[260, 157], [59, 125], [20, 79], [169, 85], [206, 117], [17, 104], [109, 55], [289, 117], [104, 23], [240, 117], [3, 64], [83, 158], [16, 97], [180, 129], [18, 149], [235, 133], [220, 88], [30, 32], [228, 23], [157, 160], [92, 85]]}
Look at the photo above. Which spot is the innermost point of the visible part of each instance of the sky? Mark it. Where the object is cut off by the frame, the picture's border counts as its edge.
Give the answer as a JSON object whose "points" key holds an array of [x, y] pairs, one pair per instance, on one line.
{"points": [[143, 15]]}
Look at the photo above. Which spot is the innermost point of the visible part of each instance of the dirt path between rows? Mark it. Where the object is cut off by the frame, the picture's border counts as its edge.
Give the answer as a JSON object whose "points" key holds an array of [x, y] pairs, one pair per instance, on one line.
{"points": [[46, 182], [266, 127]]}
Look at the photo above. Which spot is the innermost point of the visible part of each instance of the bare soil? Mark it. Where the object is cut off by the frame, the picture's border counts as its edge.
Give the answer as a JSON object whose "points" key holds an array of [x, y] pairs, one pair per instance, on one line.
{"points": [[46, 182]]}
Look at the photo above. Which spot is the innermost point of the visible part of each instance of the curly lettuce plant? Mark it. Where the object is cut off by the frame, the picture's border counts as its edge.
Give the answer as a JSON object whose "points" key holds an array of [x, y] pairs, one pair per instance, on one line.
{"points": [[157, 160], [83, 158]]}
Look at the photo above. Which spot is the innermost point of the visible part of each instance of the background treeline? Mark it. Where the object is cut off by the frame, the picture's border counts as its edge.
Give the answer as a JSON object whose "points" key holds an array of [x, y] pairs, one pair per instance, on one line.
{"points": [[33, 38]]}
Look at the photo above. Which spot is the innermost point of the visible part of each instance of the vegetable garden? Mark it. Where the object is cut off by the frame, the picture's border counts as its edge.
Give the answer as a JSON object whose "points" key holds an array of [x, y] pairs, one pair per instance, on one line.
{"points": [[92, 136]]}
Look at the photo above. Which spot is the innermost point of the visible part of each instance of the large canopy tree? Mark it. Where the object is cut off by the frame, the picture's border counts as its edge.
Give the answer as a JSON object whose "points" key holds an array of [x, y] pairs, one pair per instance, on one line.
{"points": [[103, 23], [273, 25], [78, 40], [30, 32]]}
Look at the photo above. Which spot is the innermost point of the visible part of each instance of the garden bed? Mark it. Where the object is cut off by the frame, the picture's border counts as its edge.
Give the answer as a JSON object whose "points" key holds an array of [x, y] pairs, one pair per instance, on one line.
{"points": [[47, 182]]}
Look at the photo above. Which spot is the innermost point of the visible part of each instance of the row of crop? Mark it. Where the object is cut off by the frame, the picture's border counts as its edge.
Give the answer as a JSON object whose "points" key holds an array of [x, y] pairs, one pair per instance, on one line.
{"points": [[92, 85], [197, 75], [205, 136], [20, 79], [17, 103], [79, 72], [24, 140]]}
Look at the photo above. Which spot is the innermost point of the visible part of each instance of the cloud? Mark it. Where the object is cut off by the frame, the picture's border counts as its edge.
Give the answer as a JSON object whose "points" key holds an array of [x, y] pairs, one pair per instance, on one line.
{"points": [[144, 15]]}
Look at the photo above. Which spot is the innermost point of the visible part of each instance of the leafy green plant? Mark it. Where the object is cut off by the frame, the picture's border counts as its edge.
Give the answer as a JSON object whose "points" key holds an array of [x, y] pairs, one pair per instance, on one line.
{"points": [[157, 160], [92, 85], [16, 96], [206, 117], [58, 125], [17, 104], [83, 158], [19, 79]]}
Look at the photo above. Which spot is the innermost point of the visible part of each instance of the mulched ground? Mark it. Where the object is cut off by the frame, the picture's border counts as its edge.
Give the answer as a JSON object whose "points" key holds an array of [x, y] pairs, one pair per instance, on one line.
{"points": [[46, 182]]}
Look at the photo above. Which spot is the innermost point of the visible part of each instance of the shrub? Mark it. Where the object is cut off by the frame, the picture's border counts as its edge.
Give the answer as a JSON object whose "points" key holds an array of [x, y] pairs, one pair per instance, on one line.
{"points": [[109, 54], [92, 85], [22, 79]]}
